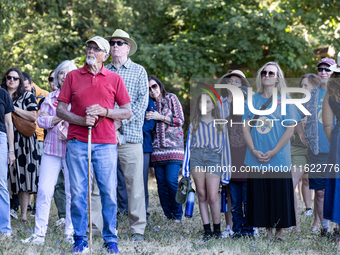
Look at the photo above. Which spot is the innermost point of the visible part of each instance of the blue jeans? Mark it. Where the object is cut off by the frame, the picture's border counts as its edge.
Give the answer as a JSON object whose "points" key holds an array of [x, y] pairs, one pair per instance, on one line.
{"points": [[167, 182], [104, 161], [238, 193], [5, 221]]}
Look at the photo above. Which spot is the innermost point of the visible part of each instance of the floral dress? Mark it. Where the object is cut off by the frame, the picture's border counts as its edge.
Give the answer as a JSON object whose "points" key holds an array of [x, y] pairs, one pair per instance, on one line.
{"points": [[24, 173]]}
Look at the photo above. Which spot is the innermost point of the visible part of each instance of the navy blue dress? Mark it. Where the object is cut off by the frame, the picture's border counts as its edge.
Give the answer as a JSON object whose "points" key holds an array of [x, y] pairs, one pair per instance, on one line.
{"points": [[332, 190]]}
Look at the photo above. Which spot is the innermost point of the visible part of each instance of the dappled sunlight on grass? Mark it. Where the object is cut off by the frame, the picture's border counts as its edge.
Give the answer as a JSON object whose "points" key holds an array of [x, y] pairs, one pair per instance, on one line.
{"points": [[166, 237]]}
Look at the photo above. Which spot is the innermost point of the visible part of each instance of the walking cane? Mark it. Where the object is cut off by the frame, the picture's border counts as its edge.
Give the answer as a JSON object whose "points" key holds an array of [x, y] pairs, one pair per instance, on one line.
{"points": [[89, 183]]}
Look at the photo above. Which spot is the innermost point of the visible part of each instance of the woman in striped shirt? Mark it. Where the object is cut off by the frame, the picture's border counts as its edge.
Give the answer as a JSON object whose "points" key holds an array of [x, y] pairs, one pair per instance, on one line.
{"points": [[207, 156], [53, 159]]}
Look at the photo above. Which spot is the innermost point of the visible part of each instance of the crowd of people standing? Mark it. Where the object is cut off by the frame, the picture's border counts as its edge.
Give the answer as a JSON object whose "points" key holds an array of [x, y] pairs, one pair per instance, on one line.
{"points": [[137, 124]]}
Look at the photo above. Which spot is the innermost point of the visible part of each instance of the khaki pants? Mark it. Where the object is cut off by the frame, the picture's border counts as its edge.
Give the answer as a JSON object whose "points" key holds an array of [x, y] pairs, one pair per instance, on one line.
{"points": [[131, 159]]}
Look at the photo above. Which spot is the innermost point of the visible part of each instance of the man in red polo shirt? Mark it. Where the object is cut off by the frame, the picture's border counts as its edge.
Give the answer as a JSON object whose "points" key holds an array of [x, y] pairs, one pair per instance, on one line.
{"points": [[93, 91]]}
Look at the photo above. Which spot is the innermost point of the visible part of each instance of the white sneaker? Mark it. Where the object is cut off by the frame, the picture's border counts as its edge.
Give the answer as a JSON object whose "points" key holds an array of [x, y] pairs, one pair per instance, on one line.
{"points": [[34, 239], [13, 214], [256, 232], [315, 230], [60, 222], [5, 235], [227, 233], [309, 212], [69, 239]]}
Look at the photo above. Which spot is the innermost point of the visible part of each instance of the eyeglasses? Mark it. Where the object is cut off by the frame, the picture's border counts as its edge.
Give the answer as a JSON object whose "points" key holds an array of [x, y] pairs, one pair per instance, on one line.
{"points": [[50, 79], [153, 87], [321, 69], [119, 43], [230, 81], [12, 77], [270, 74], [96, 49]]}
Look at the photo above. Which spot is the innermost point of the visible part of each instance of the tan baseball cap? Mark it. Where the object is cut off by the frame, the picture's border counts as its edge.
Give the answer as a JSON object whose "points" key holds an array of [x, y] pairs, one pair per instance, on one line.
{"points": [[101, 42]]}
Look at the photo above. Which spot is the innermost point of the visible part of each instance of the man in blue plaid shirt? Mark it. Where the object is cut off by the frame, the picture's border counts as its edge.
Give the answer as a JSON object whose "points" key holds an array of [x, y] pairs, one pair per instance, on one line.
{"points": [[130, 150]]}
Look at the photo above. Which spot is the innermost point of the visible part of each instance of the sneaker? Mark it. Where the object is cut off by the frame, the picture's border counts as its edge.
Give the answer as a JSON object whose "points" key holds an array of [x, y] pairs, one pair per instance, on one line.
{"points": [[315, 230], [14, 214], [110, 248], [60, 222], [309, 212], [5, 235], [80, 246], [177, 221], [68, 239], [34, 209], [137, 237], [256, 232], [227, 233], [325, 232], [29, 208], [207, 235], [35, 240]]}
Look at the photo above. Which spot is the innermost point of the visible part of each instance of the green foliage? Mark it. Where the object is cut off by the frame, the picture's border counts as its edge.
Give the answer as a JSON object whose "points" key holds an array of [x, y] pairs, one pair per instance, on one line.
{"points": [[177, 39]]}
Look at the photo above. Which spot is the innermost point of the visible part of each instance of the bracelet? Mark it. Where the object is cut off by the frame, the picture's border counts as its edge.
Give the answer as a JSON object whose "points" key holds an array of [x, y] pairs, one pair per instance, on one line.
{"points": [[10, 151], [164, 118]]}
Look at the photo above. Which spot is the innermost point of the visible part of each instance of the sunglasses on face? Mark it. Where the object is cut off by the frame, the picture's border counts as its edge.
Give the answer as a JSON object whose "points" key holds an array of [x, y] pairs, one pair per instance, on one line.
{"points": [[230, 81], [321, 69], [119, 43], [153, 87], [270, 74], [50, 79], [12, 77], [96, 49]]}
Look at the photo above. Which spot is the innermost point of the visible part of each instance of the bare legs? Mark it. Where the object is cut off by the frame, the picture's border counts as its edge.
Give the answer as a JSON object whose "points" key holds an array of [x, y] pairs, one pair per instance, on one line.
{"points": [[207, 186], [318, 207], [278, 232], [23, 200], [297, 174], [228, 216]]}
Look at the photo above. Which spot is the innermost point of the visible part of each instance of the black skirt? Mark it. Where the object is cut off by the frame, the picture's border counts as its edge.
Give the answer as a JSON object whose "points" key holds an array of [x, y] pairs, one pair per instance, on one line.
{"points": [[270, 200]]}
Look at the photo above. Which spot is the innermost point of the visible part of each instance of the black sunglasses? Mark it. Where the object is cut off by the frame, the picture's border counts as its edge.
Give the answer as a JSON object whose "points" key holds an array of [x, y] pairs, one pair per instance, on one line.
{"points": [[270, 74], [320, 69], [8, 77], [50, 79], [153, 87], [119, 43]]}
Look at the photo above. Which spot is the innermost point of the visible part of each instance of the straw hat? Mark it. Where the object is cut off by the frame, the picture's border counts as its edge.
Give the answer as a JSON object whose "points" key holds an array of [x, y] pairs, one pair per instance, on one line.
{"points": [[119, 33]]}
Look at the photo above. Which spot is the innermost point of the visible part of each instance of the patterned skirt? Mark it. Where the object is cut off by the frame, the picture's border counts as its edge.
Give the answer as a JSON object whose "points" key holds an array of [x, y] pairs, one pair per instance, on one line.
{"points": [[24, 173]]}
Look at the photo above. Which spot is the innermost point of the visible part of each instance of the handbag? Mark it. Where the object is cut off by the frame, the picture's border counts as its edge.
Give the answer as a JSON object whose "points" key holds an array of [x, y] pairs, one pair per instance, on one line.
{"points": [[25, 127]]}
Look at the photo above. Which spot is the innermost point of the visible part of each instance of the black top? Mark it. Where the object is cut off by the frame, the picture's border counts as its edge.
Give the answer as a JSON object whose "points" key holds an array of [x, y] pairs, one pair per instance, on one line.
{"points": [[6, 106]]}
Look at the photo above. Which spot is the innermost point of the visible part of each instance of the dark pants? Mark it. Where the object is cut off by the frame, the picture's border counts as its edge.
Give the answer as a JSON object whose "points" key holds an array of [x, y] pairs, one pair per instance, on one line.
{"points": [[146, 166], [60, 196], [167, 182], [122, 196], [238, 193]]}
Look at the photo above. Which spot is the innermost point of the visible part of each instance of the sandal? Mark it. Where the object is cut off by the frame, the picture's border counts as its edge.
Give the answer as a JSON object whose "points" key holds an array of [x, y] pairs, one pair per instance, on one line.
{"points": [[277, 239]]}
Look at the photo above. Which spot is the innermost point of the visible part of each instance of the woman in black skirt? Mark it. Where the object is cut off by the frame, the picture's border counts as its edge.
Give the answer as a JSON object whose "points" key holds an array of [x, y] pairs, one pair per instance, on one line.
{"points": [[270, 195]]}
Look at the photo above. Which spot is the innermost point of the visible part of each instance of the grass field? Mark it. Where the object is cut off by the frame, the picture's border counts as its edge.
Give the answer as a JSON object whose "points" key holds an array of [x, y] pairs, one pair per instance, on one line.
{"points": [[162, 237]]}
